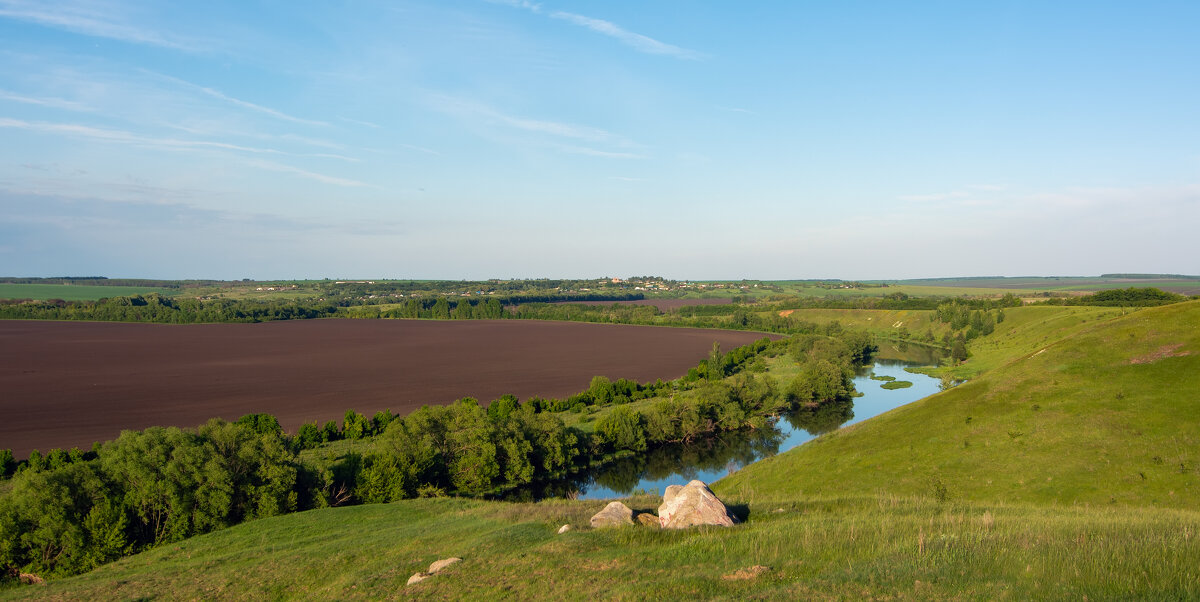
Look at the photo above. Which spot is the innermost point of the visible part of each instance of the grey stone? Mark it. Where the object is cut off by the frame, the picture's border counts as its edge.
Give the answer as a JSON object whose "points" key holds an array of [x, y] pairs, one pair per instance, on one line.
{"points": [[615, 514], [692, 505]]}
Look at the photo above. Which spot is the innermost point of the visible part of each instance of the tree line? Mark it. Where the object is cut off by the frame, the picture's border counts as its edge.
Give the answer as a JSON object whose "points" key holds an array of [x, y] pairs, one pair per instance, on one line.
{"points": [[162, 309], [1128, 297]]}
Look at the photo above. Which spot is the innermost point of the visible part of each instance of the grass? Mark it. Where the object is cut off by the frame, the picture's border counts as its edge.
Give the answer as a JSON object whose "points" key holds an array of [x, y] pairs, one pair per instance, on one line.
{"points": [[884, 322], [842, 548], [1068, 467], [75, 292], [1083, 422], [896, 384], [1028, 330]]}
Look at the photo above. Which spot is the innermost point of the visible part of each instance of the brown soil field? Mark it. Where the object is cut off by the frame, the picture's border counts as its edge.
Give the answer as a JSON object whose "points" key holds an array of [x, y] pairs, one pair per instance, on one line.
{"points": [[661, 304], [68, 384]]}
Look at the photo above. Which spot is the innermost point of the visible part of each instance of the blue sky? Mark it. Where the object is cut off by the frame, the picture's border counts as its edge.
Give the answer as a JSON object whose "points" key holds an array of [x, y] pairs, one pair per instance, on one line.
{"points": [[476, 139]]}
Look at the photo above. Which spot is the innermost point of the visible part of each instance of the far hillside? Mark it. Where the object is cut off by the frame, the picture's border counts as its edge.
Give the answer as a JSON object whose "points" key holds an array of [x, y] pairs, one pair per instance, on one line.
{"points": [[1176, 283]]}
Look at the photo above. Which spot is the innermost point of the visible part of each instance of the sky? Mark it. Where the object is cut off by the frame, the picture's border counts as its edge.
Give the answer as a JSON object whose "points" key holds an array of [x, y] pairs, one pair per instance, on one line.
{"points": [[472, 139]]}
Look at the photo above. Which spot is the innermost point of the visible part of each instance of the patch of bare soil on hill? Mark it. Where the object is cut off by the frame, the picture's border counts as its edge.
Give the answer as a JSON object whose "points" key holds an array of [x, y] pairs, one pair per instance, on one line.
{"points": [[1161, 353]]}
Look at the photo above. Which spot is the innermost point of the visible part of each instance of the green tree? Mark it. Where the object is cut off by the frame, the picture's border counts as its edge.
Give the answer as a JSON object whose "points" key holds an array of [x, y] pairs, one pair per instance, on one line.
{"points": [[441, 309], [499, 410], [263, 424], [715, 362], [7, 464], [61, 522], [463, 310], [171, 482], [308, 437], [601, 390], [621, 429], [473, 462], [354, 425], [958, 351], [381, 480]]}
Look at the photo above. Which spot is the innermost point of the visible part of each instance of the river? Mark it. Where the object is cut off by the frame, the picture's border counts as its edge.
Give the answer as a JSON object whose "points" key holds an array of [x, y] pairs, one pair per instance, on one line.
{"points": [[728, 452]]}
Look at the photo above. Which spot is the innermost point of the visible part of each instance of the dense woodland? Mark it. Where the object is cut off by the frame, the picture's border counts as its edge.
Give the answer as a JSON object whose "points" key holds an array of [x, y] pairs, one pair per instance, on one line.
{"points": [[67, 512]]}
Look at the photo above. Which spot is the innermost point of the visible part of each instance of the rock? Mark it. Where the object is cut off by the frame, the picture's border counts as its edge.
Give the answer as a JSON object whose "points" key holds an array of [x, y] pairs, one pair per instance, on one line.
{"points": [[671, 492], [691, 505], [564, 529], [647, 519], [615, 514], [435, 568], [438, 565]]}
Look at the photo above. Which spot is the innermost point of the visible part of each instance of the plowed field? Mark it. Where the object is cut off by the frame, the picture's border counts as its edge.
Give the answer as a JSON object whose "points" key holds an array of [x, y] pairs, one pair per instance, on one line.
{"points": [[66, 384]]}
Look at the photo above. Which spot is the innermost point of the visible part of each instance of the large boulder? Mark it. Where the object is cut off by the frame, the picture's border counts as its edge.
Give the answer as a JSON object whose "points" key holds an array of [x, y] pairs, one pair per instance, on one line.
{"points": [[615, 514], [692, 505]]}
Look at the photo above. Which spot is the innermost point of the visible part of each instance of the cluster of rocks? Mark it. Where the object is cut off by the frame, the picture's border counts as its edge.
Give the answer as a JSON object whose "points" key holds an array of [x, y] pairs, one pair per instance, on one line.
{"points": [[683, 506], [435, 568]]}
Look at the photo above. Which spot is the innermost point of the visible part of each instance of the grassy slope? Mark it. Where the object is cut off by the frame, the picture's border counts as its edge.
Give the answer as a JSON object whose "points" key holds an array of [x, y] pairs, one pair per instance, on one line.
{"points": [[1075, 423], [1027, 330], [854, 549], [1053, 502], [884, 322]]}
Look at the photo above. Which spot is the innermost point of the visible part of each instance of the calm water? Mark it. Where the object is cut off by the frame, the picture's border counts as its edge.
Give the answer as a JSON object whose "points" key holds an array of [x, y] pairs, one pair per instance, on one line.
{"points": [[711, 460]]}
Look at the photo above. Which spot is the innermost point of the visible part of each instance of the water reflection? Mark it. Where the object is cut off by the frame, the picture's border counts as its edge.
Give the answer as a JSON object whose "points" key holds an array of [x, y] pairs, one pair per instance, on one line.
{"points": [[715, 457], [911, 353], [823, 418]]}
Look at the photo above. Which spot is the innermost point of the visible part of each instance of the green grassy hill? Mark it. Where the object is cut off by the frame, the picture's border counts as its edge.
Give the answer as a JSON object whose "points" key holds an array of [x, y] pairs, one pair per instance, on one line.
{"points": [[1068, 468], [1107, 415]]}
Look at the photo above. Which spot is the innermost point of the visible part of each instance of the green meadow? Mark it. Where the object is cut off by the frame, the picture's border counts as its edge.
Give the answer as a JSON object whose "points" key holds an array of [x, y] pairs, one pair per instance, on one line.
{"points": [[75, 292]]}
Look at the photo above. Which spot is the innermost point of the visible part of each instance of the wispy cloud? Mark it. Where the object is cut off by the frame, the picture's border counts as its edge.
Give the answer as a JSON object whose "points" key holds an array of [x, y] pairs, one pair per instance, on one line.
{"points": [[238, 102], [591, 152], [319, 177], [54, 103], [359, 122], [91, 20], [121, 136], [420, 149], [477, 110], [637, 41]]}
